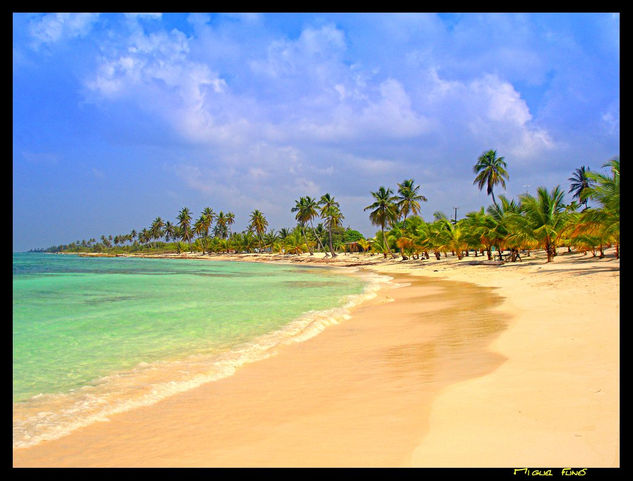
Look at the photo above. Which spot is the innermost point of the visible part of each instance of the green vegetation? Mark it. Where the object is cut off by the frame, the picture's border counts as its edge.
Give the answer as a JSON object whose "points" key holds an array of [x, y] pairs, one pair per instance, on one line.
{"points": [[508, 228]]}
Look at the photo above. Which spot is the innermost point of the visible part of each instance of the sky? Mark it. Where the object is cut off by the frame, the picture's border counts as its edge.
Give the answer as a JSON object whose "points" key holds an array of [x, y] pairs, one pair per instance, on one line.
{"points": [[122, 118]]}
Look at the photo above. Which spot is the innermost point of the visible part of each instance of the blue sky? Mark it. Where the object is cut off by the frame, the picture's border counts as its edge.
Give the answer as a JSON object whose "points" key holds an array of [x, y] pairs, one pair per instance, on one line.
{"points": [[121, 118]]}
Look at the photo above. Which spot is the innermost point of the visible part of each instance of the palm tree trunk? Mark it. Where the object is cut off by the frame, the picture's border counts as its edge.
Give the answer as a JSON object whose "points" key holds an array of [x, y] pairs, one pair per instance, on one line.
{"points": [[305, 239], [384, 240], [549, 249], [317, 237], [331, 248]]}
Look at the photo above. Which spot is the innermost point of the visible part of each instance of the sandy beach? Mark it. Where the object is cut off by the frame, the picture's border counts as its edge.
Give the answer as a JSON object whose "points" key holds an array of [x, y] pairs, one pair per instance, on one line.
{"points": [[454, 364]]}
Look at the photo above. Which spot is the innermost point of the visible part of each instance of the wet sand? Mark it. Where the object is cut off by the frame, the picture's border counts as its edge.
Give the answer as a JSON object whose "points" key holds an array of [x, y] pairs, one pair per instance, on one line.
{"points": [[358, 394]]}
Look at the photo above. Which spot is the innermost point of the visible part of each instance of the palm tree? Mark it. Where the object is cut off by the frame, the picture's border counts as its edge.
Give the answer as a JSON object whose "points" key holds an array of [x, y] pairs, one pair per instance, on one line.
{"points": [[408, 198], [302, 216], [258, 224], [384, 210], [331, 213], [310, 213], [184, 223], [306, 209], [201, 227], [453, 237], [482, 227], [294, 244], [606, 191], [156, 229], [169, 231], [230, 220], [580, 184], [208, 215], [504, 219], [544, 218], [221, 226], [143, 237], [490, 170]]}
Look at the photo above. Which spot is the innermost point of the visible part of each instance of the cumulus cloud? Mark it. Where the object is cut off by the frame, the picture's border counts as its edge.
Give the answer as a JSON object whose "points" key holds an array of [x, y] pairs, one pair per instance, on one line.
{"points": [[55, 27], [297, 112]]}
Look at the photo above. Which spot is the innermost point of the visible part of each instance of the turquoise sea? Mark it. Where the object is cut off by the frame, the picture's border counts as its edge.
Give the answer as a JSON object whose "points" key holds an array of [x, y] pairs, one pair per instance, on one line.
{"points": [[93, 336]]}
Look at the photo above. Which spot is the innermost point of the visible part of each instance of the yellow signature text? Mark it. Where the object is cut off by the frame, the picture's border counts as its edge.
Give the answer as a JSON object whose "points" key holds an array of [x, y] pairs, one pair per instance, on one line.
{"points": [[550, 472]]}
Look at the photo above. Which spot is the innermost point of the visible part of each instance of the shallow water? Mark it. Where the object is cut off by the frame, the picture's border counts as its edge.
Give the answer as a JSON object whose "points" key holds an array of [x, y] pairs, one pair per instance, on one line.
{"points": [[96, 336]]}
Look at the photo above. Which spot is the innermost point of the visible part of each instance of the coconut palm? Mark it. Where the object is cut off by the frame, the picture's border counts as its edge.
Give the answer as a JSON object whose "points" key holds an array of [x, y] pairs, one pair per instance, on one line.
{"points": [[184, 223], [482, 226], [452, 237], [490, 170], [283, 233], [332, 216], [302, 214], [409, 198], [311, 211], [209, 216], [544, 218], [221, 226], [384, 210], [606, 191], [294, 243], [505, 219], [169, 231], [201, 229], [258, 224], [230, 220], [156, 229], [580, 184]]}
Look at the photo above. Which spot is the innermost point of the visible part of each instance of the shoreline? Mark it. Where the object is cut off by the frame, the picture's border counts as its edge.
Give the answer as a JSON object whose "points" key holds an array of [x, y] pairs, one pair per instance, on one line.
{"points": [[554, 404]]}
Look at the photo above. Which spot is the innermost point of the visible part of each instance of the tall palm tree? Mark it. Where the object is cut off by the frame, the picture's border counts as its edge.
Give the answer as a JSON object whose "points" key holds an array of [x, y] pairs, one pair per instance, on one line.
{"points": [[258, 224], [311, 211], [201, 228], [156, 229], [580, 184], [409, 198], [230, 220], [169, 231], [301, 216], [307, 209], [331, 213], [383, 211], [490, 170], [184, 223], [221, 226], [209, 216]]}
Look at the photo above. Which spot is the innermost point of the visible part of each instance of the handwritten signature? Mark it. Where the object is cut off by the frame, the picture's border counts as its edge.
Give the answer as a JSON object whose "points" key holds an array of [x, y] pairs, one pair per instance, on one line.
{"points": [[550, 472]]}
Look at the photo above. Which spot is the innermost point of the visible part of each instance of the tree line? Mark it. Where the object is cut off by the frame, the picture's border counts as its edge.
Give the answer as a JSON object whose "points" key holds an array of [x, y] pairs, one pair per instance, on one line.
{"points": [[507, 227]]}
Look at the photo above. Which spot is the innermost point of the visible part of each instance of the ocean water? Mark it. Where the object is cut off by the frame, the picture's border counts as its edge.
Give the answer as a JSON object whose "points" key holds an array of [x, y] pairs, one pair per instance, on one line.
{"points": [[93, 336]]}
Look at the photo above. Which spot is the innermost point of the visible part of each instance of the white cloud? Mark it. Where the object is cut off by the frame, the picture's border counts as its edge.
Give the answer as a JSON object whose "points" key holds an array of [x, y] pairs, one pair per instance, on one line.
{"points": [[485, 110], [54, 27]]}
